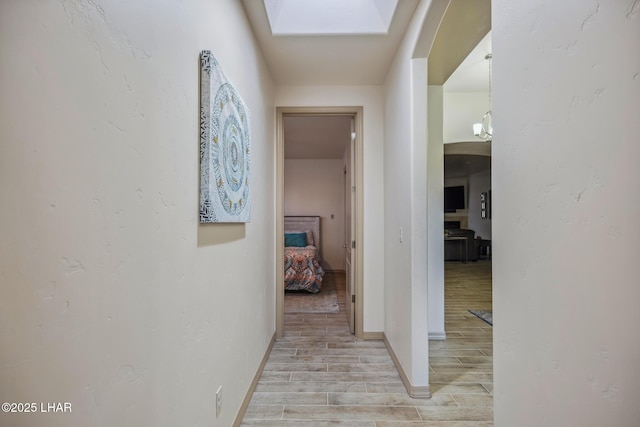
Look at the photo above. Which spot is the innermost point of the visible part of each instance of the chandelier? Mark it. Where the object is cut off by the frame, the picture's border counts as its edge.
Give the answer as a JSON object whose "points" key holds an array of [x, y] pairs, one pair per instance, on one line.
{"points": [[484, 129]]}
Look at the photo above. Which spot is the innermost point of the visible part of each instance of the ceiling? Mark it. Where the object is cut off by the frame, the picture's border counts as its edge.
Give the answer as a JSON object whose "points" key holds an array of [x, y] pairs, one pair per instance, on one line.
{"points": [[465, 158], [316, 60], [472, 75], [464, 24], [315, 56], [316, 137], [364, 59], [459, 165]]}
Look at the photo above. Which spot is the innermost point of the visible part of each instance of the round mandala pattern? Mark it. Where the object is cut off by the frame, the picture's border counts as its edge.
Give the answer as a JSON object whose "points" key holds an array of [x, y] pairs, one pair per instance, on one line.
{"points": [[230, 149]]}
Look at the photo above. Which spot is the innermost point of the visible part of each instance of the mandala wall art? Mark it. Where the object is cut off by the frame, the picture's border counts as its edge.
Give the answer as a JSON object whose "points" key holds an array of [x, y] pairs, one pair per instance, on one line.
{"points": [[225, 147]]}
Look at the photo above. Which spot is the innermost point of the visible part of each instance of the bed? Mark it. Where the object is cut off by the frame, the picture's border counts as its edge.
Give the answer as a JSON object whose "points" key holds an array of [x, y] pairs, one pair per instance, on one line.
{"points": [[302, 269]]}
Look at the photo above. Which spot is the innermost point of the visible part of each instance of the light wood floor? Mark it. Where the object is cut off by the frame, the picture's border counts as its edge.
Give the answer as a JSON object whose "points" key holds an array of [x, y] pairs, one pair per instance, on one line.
{"points": [[319, 375]]}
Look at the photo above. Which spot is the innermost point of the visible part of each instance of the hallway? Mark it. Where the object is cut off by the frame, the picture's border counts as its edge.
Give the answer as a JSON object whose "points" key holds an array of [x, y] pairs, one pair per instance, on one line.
{"points": [[318, 374]]}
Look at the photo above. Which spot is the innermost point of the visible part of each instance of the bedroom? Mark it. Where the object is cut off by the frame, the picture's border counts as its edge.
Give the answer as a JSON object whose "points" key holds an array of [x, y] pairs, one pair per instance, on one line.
{"points": [[315, 158]]}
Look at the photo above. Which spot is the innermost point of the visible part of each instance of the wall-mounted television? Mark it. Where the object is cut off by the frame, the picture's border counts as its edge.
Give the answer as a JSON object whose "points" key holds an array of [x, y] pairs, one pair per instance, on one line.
{"points": [[453, 198]]}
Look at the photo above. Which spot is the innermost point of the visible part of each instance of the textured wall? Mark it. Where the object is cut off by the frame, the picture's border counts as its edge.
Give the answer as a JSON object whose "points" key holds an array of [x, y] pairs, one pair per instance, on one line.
{"points": [[115, 299], [566, 98], [405, 179]]}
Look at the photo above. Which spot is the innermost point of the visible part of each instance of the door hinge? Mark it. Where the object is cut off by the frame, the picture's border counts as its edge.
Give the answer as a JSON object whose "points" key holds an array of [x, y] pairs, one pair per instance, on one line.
{"points": [[353, 244], [353, 298]]}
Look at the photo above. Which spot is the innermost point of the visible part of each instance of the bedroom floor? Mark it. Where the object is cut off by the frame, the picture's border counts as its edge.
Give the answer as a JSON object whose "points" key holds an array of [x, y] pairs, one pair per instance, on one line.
{"points": [[318, 374]]}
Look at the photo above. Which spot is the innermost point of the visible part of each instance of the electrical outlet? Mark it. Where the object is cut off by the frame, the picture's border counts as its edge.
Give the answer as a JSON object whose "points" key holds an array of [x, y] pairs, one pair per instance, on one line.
{"points": [[218, 401]]}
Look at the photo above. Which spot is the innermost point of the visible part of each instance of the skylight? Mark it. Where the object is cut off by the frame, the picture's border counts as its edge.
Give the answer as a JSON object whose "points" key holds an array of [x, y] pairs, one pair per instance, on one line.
{"points": [[329, 17]]}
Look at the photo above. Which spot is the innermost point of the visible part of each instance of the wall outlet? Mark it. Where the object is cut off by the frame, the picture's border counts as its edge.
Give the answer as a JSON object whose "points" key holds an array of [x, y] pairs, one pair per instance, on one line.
{"points": [[218, 401]]}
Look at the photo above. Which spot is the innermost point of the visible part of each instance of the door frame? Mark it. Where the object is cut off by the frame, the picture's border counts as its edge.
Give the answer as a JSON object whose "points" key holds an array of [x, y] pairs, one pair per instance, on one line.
{"points": [[279, 240]]}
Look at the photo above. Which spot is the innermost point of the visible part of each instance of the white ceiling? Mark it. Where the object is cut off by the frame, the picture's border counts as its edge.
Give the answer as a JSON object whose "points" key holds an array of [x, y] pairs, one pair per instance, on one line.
{"points": [[316, 137], [472, 75], [328, 60], [362, 59]]}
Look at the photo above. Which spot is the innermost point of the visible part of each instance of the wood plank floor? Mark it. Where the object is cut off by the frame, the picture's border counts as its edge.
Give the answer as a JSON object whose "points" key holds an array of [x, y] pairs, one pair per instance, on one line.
{"points": [[319, 375]]}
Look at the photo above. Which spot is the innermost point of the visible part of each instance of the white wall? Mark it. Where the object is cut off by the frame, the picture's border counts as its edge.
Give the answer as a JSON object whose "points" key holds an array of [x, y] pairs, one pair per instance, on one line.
{"points": [[478, 183], [370, 98], [405, 166], [435, 214], [566, 208], [316, 187], [115, 299], [461, 111]]}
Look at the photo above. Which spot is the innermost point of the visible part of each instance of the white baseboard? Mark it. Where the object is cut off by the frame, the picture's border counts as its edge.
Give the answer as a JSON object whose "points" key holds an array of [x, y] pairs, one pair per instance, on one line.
{"points": [[417, 392], [254, 384], [437, 336]]}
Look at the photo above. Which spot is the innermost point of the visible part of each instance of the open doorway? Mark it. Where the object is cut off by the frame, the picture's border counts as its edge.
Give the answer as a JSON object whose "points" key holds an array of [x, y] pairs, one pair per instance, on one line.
{"points": [[318, 176], [466, 102], [467, 242], [461, 350]]}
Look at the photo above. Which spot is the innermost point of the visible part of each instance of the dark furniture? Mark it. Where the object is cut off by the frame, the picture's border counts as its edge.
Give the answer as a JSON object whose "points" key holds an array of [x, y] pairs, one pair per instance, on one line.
{"points": [[452, 247], [484, 249]]}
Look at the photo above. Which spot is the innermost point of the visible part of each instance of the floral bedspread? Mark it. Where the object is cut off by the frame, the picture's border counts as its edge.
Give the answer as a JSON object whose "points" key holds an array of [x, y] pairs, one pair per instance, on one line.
{"points": [[302, 270]]}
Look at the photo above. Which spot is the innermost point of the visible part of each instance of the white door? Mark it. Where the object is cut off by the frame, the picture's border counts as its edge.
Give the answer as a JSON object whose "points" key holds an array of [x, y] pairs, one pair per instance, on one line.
{"points": [[350, 229]]}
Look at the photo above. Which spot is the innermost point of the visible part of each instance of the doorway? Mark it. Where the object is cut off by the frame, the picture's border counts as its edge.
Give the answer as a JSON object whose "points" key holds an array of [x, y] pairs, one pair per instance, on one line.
{"points": [[461, 356], [353, 249]]}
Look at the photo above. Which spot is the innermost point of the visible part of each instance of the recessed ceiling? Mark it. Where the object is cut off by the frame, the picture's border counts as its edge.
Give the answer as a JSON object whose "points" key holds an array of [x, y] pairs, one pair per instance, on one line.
{"points": [[329, 17], [315, 59], [316, 137], [336, 60]]}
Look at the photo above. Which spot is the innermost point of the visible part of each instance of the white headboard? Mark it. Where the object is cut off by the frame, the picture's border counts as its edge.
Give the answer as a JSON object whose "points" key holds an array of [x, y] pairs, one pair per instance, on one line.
{"points": [[304, 223]]}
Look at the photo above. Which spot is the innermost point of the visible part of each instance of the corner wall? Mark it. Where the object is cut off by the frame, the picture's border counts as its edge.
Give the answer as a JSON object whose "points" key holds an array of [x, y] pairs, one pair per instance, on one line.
{"points": [[566, 203], [405, 180], [115, 298]]}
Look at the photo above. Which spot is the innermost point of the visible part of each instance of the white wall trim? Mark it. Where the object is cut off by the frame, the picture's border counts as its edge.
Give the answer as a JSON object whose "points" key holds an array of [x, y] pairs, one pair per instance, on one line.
{"points": [[437, 336]]}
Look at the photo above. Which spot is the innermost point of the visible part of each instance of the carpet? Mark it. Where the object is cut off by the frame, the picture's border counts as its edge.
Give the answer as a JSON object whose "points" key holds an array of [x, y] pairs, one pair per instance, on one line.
{"points": [[486, 315], [325, 301]]}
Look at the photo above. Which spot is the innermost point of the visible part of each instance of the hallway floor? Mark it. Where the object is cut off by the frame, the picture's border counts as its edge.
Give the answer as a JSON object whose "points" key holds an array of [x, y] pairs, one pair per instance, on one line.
{"points": [[319, 375]]}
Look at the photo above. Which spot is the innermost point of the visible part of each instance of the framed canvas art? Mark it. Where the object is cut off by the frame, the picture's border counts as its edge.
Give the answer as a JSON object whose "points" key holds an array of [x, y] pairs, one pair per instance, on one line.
{"points": [[225, 147]]}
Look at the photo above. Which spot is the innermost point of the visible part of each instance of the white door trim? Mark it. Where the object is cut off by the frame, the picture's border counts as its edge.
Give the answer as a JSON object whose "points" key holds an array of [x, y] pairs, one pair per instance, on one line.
{"points": [[279, 240]]}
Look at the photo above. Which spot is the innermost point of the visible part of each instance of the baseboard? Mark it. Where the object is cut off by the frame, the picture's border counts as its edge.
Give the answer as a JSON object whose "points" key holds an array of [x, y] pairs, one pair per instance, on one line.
{"points": [[417, 392], [254, 384], [373, 335], [437, 336]]}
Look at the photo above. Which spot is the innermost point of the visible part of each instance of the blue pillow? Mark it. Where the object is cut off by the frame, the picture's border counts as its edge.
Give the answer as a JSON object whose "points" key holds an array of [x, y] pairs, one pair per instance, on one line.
{"points": [[295, 239]]}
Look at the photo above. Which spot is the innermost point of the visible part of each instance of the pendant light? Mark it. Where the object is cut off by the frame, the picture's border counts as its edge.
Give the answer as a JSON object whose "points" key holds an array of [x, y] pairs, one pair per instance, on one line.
{"points": [[484, 129]]}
